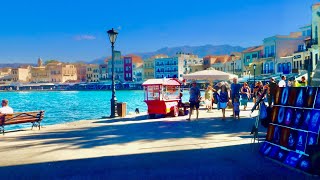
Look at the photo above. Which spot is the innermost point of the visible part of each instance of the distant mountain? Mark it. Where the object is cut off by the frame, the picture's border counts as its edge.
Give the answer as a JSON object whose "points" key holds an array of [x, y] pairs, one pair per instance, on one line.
{"points": [[98, 61], [201, 51], [15, 65]]}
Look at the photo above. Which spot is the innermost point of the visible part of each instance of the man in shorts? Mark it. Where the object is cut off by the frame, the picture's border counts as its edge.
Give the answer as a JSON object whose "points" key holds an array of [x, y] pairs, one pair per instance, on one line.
{"points": [[194, 99]]}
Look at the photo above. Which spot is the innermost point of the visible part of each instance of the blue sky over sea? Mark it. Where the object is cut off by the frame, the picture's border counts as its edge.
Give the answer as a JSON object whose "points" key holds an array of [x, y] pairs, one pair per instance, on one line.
{"points": [[76, 30]]}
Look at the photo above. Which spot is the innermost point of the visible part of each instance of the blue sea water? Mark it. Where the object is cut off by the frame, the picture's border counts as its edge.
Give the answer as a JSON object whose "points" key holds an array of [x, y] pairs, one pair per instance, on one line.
{"points": [[67, 106]]}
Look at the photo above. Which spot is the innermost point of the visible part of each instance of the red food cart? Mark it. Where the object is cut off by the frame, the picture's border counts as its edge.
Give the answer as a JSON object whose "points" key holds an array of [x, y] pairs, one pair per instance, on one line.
{"points": [[162, 96]]}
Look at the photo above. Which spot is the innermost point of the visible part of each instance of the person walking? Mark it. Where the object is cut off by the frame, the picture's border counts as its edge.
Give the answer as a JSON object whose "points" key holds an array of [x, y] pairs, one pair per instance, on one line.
{"points": [[194, 99], [208, 98], [245, 95], [258, 90], [303, 82], [282, 82], [223, 100], [235, 90], [236, 109], [272, 91]]}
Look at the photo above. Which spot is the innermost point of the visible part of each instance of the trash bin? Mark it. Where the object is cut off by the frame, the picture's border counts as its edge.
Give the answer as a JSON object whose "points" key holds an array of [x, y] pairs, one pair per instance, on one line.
{"points": [[122, 109]]}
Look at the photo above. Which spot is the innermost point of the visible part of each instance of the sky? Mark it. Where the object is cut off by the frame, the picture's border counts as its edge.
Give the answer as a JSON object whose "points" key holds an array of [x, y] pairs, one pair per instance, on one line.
{"points": [[76, 30]]}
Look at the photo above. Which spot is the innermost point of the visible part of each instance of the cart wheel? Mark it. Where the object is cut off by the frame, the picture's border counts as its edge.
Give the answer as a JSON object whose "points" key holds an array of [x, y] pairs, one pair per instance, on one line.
{"points": [[152, 116], [175, 112]]}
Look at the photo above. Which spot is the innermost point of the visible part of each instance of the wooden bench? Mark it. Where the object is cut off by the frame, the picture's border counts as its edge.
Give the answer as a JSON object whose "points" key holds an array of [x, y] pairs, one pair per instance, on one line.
{"points": [[34, 117]]}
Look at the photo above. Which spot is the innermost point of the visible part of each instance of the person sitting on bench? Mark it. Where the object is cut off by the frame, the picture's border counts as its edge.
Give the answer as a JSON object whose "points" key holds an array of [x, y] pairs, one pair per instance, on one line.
{"points": [[6, 109]]}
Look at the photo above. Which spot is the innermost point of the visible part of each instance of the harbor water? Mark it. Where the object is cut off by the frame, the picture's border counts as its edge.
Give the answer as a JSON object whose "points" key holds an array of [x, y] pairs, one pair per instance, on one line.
{"points": [[67, 106]]}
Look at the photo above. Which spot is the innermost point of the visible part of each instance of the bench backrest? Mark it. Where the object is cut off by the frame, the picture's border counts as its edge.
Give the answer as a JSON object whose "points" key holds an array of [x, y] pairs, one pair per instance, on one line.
{"points": [[21, 117]]}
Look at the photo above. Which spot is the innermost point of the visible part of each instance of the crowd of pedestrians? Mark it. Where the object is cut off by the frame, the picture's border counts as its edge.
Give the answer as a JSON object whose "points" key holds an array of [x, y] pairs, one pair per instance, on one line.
{"points": [[238, 95]]}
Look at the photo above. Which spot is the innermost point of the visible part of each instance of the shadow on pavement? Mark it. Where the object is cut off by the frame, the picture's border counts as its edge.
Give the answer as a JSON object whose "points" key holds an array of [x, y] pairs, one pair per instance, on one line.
{"points": [[231, 162], [114, 132]]}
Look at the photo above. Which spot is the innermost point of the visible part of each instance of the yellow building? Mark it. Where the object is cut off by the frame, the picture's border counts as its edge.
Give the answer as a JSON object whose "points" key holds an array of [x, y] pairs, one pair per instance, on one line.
{"points": [[61, 72], [148, 66], [22, 74], [195, 68], [39, 74], [93, 73], [5, 71]]}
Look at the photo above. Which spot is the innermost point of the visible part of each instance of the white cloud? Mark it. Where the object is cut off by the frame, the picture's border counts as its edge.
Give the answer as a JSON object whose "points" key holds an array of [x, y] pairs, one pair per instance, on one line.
{"points": [[84, 37]]}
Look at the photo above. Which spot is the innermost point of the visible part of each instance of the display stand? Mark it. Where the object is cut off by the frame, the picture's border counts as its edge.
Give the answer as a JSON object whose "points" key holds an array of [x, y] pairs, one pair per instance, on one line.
{"points": [[255, 127], [294, 128]]}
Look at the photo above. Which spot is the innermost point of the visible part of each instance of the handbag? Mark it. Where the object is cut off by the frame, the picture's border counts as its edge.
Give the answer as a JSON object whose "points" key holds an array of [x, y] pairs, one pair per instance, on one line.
{"points": [[229, 104]]}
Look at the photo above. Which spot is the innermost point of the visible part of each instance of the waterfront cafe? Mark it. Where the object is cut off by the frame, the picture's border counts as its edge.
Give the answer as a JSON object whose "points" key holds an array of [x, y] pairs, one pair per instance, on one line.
{"points": [[29, 86]]}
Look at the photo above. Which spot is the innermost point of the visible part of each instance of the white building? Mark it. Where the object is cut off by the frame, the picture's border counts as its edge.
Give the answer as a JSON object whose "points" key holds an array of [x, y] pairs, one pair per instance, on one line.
{"points": [[189, 60]]}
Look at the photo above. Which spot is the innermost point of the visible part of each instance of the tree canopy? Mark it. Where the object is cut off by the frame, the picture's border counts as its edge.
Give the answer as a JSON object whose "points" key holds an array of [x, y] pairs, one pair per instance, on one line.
{"points": [[51, 61]]}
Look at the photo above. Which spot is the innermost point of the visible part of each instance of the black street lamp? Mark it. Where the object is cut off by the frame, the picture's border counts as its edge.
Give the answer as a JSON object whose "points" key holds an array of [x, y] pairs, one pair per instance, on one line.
{"points": [[113, 37], [254, 74]]}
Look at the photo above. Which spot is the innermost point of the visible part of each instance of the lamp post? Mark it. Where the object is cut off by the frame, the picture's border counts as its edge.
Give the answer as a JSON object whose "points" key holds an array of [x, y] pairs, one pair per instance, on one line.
{"points": [[254, 74], [113, 37]]}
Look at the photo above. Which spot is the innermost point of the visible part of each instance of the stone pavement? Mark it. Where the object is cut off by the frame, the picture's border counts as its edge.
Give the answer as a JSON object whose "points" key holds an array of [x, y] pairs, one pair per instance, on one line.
{"points": [[139, 148]]}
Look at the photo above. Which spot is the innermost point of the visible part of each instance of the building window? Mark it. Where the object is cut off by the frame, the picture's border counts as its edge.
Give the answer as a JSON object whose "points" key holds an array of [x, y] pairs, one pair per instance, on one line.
{"points": [[272, 50], [266, 51], [300, 47], [247, 59], [266, 66], [271, 67]]}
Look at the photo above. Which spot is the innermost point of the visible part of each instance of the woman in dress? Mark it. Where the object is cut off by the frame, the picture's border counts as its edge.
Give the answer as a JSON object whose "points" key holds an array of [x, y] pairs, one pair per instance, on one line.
{"points": [[224, 98], [245, 95], [208, 98]]}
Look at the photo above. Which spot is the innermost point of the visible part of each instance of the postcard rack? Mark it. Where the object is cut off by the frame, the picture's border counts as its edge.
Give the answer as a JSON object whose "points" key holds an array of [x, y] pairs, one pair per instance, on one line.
{"points": [[294, 127]]}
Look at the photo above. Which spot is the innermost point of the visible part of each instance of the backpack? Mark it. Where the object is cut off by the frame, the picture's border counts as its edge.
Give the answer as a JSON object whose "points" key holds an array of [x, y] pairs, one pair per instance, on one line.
{"points": [[216, 98]]}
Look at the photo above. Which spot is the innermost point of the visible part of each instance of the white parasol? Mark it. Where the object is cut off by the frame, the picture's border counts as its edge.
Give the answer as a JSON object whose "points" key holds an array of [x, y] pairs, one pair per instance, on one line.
{"points": [[210, 75]]}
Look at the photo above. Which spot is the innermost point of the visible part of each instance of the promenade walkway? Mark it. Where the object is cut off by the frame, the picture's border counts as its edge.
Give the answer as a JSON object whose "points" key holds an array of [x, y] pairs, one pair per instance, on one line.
{"points": [[140, 148]]}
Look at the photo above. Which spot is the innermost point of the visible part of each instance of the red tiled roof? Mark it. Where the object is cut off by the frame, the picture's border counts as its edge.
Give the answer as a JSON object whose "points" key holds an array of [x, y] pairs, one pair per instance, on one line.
{"points": [[135, 58], [222, 59], [253, 49], [218, 58], [316, 4]]}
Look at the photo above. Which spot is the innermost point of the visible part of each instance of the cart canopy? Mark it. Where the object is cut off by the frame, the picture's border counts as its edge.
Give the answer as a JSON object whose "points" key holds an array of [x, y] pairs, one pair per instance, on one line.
{"points": [[164, 82]]}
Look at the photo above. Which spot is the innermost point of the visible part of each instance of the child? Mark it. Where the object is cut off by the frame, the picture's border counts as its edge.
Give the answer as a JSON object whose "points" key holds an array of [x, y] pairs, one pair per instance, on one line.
{"points": [[236, 108]]}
